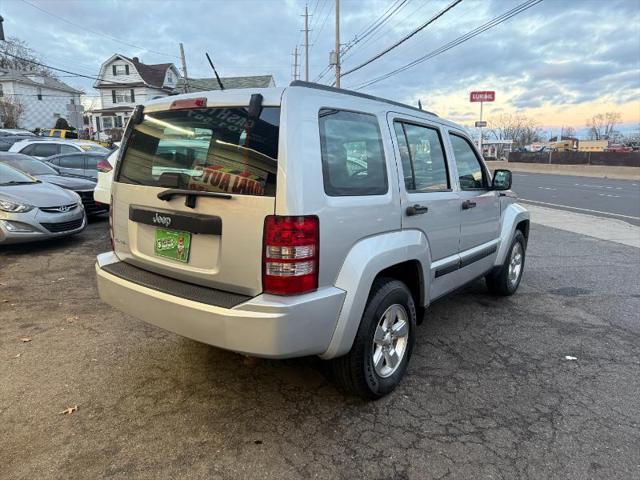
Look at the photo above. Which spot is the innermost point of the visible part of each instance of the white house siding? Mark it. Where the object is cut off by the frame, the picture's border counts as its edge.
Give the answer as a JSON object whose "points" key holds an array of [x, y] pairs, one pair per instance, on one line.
{"points": [[42, 113], [141, 94], [107, 73]]}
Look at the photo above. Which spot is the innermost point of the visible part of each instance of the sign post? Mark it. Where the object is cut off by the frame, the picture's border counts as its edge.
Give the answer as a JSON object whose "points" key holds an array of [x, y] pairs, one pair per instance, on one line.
{"points": [[482, 96]]}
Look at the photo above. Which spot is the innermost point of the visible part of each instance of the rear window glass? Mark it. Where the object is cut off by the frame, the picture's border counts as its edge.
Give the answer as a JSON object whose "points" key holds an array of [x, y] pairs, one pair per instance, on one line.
{"points": [[210, 149], [352, 155]]}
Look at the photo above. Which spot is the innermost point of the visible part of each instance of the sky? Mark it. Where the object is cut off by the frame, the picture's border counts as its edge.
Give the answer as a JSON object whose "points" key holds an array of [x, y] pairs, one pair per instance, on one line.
{"points": [[559, 62]]}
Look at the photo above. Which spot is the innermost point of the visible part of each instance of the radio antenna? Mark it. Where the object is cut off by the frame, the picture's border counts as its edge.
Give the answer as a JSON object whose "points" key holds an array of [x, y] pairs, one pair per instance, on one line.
{"points": [[214, 71]]}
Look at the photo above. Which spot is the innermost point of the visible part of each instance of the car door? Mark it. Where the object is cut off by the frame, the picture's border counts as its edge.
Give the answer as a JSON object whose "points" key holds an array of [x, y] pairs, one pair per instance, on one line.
{"points": [[428, 197], [91, 166], [479, 207]]}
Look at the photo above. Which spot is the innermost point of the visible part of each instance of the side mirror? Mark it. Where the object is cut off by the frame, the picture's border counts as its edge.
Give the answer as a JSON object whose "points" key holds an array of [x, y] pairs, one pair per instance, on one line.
{"points": [[501, 180]]}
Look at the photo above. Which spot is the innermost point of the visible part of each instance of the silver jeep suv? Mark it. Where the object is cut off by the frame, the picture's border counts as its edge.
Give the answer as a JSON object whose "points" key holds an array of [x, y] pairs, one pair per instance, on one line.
{"points": [[305, 220]]}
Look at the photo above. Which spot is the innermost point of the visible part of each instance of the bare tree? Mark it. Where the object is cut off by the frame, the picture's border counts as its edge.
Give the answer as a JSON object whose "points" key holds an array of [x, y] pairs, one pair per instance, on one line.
{"points": [[11, 111], [602, 126], [14, 47], [568, 132], [517, 127]]}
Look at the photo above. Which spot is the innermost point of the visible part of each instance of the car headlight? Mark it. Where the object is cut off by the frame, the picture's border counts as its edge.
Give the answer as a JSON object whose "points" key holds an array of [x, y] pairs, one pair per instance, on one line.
{"points": [[14, 207]]}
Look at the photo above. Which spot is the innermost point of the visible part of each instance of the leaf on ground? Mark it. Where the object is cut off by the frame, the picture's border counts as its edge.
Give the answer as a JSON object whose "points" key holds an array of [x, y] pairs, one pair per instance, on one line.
{"points": [[69, 410], [72, 318], [25, 339], [569, 357], [17, 355], [5, 301]]}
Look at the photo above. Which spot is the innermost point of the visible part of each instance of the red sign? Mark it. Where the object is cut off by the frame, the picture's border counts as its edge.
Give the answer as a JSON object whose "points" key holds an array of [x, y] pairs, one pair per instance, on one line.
{"points": [[487, 96]]}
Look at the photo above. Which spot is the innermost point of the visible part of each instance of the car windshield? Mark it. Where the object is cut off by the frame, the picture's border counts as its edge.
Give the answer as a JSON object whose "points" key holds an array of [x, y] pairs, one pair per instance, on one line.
{"points": [[32, 166], [88, 147], [11, 176]]}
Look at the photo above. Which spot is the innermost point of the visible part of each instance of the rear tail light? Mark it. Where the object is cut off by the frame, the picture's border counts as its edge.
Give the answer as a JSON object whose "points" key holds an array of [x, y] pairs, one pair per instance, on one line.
{"points": [[113, 247], [104, 166], [290, 255]]}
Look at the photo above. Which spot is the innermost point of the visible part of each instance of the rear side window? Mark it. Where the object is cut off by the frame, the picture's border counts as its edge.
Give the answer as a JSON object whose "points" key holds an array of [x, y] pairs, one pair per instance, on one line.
{"points": [[92, 162], [210, 149], [423, 160], [72, 161], [44, 149], [67, 149], [353, 160], [470, 172]]}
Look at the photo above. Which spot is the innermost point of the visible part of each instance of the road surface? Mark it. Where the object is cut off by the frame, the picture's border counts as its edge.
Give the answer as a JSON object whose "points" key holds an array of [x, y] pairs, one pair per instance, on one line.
{"points": [[595, 196]]}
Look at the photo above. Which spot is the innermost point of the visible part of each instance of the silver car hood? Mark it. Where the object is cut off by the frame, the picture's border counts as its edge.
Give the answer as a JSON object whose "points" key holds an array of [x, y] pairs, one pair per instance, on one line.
{"points": [[38, 194]]}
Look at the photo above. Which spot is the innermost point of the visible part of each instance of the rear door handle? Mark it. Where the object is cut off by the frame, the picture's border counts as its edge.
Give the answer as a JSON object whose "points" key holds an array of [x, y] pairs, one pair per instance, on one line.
{"points": [[416, 210], [467, 204]]}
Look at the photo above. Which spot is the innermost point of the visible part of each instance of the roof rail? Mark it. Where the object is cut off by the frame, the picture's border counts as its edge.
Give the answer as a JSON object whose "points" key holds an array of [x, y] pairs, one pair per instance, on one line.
{"points": [[319, 86]]}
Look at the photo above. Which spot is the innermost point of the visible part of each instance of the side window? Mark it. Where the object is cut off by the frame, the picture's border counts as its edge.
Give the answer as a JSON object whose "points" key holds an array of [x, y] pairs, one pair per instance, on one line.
{"points": [[353, 160], [470, 171], [46, 149], [54, 161], [423, 161], [67, 149], [72, 161], [29, 150], [92, 162]]}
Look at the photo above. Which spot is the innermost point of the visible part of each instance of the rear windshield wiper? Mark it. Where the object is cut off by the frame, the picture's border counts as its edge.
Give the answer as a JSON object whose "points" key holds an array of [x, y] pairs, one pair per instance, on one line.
{"points": [[191, 195]]}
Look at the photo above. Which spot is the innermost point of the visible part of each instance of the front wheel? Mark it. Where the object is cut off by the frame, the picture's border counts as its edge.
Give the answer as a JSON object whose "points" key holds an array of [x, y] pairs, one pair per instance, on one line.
{"points": [[507, 279], [381, 350]]}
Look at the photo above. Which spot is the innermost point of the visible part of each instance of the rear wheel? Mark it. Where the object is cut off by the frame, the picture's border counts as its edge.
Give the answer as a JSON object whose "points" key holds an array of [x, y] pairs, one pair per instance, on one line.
{"points": [[381, 350], [506, 280]]}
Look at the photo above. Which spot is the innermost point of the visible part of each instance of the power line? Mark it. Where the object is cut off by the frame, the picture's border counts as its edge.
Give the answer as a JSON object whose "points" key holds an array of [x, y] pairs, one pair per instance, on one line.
{"points": [[403, 39], [461, 39], [90, 77], [376, 24], [95, 32]]}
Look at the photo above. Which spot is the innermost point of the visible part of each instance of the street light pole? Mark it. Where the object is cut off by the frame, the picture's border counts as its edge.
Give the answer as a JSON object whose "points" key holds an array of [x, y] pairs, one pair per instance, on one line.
{"points": [[338, 43]]}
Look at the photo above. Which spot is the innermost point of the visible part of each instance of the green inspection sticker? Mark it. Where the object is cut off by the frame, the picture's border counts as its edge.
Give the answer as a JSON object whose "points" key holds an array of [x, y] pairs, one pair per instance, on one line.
{"points": [[172, 244]]}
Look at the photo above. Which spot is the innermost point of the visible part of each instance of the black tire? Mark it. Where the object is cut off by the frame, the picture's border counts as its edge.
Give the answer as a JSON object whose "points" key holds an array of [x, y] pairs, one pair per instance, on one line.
{"points": [[355, 372], [498, 282]]}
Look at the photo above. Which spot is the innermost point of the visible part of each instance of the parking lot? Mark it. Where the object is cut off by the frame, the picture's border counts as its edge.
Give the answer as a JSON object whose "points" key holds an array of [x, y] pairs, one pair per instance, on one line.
{"points": [[544, 384]]}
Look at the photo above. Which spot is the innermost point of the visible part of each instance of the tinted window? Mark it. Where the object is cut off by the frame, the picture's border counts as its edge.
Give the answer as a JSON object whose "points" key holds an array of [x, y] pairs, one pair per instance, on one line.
{"points": [[423, 161], [353, 160], [31, 166], [45, 149], [211, 149], [55, 133], [28, 150], [68, 149], [470, 172], [72, 161], [92, 162]]}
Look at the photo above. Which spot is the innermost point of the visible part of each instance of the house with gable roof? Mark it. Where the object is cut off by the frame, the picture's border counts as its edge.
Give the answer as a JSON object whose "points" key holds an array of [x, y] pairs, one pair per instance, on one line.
{"points": [[126, 82]]}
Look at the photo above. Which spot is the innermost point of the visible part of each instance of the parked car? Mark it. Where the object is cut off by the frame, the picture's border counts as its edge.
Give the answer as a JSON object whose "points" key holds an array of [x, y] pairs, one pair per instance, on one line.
{"points": [[82, 164], [102, 193], [32, 210], [313, 221], [7, 132], [45, 147], [41, 170], [7, 141], [60, 133]]}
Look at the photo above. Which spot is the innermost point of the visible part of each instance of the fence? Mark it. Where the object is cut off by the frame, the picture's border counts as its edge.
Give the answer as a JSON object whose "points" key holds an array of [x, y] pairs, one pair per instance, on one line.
{"points": [[631, 159]]}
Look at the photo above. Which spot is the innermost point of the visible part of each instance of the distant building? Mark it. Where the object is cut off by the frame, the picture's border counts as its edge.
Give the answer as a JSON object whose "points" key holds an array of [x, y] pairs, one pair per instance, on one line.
{"points": [[43, 99], [126, 82], [593, 145], [229, 83]]}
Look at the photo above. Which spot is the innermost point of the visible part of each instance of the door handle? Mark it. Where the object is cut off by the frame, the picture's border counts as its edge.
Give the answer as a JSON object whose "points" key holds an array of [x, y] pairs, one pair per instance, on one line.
{"points": [[467, 204], [416, 210]]}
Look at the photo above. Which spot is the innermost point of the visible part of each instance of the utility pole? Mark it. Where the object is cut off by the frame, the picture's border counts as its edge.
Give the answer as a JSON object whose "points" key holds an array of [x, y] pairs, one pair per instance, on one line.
{"points": [[185, 87], [338, 43], [306, 43], [295, 63]]}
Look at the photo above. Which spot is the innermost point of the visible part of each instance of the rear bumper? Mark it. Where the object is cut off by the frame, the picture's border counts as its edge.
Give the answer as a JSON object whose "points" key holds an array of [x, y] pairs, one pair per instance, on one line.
{"points": [[264, 326]]}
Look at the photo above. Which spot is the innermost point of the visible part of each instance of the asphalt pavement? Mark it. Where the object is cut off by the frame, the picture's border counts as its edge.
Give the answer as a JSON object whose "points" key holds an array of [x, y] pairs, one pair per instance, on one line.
{"points": [[594, 196], [543, 384]]}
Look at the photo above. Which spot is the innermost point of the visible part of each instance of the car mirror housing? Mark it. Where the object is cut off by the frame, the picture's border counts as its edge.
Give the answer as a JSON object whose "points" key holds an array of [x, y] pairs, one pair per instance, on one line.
{"points": [[501, 180]]}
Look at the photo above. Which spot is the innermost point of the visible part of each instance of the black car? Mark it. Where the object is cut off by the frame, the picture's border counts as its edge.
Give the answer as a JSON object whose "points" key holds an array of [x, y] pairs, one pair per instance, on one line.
{"points": [[47, 173], [84, 164]]}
